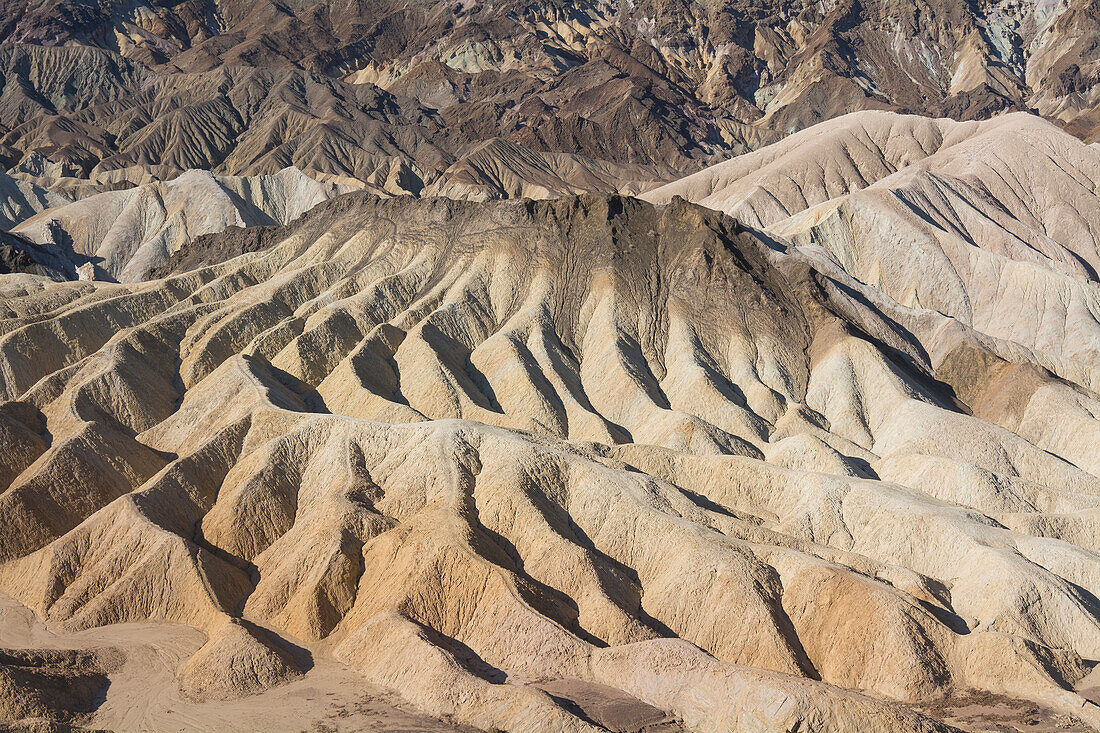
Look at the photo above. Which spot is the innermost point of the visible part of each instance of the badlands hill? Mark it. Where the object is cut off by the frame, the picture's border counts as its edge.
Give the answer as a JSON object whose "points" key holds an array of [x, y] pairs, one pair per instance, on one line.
{"points": [[995, 224], [344, 386], [124, 234], [582, 464], [21, 200]]}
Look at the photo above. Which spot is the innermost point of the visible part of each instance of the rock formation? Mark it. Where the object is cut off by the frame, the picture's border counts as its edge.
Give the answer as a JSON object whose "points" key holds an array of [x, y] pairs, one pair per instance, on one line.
{"points": [[346, 385], [995, 225], [376, 90], [236, 662], [127, 233], [474, 450], [20, 200]]}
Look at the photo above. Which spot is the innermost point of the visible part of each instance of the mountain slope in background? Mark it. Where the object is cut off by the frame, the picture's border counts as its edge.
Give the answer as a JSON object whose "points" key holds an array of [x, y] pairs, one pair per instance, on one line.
{"points": [[355, 88], [126, 234]]}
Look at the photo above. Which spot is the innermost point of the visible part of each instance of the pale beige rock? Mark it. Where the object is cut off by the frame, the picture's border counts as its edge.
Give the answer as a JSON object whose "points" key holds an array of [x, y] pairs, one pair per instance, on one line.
{"points": [[127, 233], [21, 200], [473, 449], [235, 662]]}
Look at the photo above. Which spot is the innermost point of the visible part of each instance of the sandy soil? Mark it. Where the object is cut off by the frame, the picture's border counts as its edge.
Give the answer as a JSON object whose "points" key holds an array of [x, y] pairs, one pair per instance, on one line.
{"points": [[610, 708], [984, 713], [143, 695]]}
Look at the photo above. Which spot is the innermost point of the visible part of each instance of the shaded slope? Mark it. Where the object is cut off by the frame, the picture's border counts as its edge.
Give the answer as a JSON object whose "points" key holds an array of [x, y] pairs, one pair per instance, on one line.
{"points": [[995, 225], [20, 200]]}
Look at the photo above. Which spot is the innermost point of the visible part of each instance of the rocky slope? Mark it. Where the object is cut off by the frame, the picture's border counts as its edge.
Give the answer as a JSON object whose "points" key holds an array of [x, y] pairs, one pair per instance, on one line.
{"points": [[505, 459], [311, 418], [382, 91], [995, 225], [125, 234], [20, 200]]}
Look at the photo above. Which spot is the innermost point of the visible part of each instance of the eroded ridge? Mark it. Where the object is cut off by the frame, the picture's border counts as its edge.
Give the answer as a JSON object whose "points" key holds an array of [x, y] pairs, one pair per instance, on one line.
{"points": [[473, 450]]}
